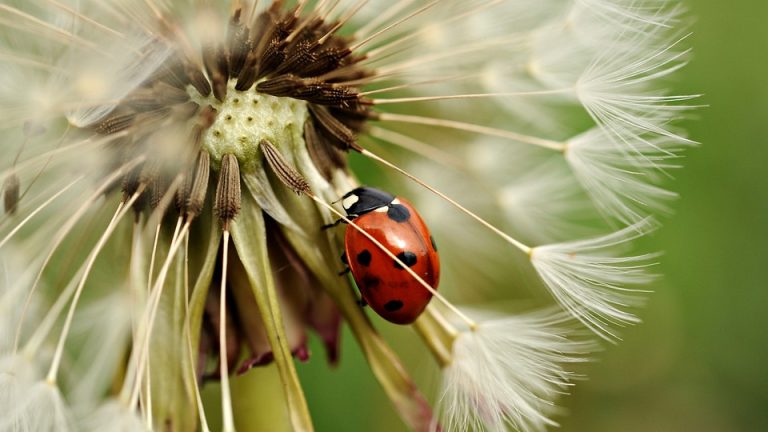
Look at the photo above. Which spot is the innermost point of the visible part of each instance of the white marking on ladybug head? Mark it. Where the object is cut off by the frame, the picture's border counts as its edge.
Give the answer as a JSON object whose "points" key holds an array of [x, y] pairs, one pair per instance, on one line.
{"points": [[395, 201], [349, 201], [382, 209]]}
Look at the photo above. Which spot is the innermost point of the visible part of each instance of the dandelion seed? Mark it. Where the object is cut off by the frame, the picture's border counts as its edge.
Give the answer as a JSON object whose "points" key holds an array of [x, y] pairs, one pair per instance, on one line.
{"points": [[38, 406], [115, 417], [620, 183], [591, 281], [169, 167], [508, 372]]}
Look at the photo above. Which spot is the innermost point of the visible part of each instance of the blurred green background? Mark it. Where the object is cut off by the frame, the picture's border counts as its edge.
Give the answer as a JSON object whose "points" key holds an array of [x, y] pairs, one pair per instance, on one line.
{"points": [[700, 360]]}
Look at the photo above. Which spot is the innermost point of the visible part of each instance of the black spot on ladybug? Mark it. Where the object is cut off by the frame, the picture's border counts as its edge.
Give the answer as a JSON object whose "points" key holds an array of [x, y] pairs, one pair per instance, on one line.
{"points": [[434, 245], [370, 282], [398, 213], [364, 258], [393, 305], [408, 258]]}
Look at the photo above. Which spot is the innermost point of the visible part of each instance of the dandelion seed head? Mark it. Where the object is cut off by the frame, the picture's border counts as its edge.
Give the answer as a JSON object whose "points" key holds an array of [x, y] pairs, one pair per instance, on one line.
{"points": [[173, 170]]}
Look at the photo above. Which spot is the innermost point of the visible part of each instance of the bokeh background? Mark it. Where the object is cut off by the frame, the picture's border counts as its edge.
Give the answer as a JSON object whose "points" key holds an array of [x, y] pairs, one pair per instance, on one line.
{"points": [[700, 360]]}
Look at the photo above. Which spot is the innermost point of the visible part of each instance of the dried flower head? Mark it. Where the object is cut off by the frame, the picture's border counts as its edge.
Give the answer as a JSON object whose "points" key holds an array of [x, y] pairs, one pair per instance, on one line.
{"points": [[169, 168]]}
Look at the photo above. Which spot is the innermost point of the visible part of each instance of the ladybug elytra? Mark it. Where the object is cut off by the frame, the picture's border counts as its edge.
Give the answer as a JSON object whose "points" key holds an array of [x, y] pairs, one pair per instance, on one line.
{"points": [[384, 284]]}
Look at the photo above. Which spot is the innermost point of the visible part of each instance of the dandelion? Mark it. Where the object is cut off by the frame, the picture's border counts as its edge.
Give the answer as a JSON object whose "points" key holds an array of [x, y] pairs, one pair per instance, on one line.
{"points": [[169, 168], [507, 371]]}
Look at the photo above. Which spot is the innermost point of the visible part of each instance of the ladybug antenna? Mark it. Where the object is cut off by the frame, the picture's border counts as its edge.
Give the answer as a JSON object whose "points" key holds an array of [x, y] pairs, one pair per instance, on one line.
{"points": [[469, 321], [518, 244]]}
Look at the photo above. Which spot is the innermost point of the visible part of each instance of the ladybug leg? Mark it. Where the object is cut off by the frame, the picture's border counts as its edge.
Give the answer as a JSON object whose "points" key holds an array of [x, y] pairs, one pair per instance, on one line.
{"points": [[338, 221], [362, 303], [346, 264], [325, 227]]}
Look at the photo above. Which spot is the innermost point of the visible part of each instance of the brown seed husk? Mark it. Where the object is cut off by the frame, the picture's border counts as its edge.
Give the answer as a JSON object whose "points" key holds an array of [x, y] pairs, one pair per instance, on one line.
{"points": [[227, 204]]}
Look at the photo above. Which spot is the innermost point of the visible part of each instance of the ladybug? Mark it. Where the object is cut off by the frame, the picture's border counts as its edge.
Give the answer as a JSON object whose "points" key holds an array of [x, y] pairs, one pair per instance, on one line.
{"points": [[384, 284]]}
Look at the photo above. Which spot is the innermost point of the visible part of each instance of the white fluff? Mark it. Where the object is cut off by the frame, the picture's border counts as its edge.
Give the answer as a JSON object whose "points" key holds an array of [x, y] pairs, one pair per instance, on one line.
{"points": [[97, 82], [592, 282], [620, 181], [505, 374], [112, 416], [543, 204], [619, 88], [35, 407], [102, 349], [14, 295]]}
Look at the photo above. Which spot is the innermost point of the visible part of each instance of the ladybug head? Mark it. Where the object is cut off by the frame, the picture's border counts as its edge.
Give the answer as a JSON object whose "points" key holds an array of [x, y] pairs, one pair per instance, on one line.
{"points": [[365, 199]]}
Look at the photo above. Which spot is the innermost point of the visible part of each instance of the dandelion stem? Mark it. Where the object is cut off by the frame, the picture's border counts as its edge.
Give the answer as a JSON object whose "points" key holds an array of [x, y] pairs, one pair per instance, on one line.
{"points": [[151, 313], [516, 243], [438, 334], [342, 21], [188, 339], [414, 34], [40, 208], [391, 11], [226, 397], [44, 167], [472, 324], [153, 256], [325, 8], [470, 127], [319, 8], [70, 37], [148, 376], [467, 96], [58, 239], [122, 209], [86, 19], [452, 78], [137, 290], [419, 147], [26, 61], [20, 151], [46, 156], [302, 25], [393, 25]]}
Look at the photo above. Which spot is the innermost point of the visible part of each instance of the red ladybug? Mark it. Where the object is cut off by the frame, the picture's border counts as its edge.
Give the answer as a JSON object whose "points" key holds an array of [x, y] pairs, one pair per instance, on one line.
{"points": [[386, 286]]}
